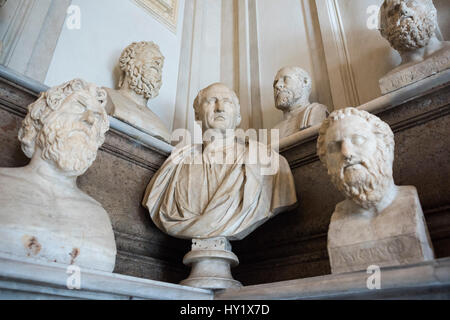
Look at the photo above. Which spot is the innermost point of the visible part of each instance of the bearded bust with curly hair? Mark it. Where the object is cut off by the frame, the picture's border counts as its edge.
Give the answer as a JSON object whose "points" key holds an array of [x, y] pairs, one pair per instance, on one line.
{"points": [[379, 222], [140, 65], [411, 27], [43, 213]]}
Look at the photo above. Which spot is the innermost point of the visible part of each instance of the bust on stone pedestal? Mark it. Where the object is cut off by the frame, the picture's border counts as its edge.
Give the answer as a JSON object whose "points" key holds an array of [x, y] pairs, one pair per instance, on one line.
{"points": [[141, 65], [410, 27], [213, 192], [292, 88], [43, 214], [379, 223]]}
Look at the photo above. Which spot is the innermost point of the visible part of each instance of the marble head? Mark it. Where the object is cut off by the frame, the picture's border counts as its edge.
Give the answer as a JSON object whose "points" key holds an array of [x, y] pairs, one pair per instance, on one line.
{"points": [[408, 25], [358, 150], [292, 88], [67, 124], [141, 65], [218, 108]]}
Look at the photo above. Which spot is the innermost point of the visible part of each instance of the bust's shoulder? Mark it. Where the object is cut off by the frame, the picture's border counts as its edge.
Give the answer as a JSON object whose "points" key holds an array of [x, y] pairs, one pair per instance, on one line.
{"points": [[407, 192], [343, 209], [12, 174], [319, 108]]}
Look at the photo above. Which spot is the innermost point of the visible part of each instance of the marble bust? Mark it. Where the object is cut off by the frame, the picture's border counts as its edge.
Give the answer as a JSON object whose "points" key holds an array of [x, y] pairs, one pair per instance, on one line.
{"points": [[379, 223], [292, 88], [141, 65], [43, 214], [193, 196], [410, 27]]}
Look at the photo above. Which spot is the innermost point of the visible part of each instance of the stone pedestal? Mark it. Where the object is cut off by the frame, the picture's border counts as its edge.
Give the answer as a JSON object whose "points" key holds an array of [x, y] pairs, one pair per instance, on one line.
{"points": [[211, 260], [436, 63], [396, 236]]}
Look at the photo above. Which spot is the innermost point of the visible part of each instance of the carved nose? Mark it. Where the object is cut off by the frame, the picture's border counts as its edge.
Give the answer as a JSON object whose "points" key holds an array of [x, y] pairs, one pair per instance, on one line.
{"points": [[404, 8], [89, 117], [219, 107], [279, 84], [346, 150]]}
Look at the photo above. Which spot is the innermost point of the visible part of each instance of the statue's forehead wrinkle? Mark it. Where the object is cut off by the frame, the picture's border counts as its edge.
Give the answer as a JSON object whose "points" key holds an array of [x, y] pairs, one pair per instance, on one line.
{"points": [[217, 91], [347, 126]]}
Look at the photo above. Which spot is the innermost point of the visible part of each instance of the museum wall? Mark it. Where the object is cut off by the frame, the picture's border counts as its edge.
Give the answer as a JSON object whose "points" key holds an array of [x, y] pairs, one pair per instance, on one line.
{"points": [[356, 54], [39, 43], [239, 42], [29, 32], [107, 27]]}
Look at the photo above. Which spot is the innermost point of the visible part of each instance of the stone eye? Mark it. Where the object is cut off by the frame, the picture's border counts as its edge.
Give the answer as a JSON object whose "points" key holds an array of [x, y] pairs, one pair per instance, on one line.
{"points": [[333, 147], [358, 140]]}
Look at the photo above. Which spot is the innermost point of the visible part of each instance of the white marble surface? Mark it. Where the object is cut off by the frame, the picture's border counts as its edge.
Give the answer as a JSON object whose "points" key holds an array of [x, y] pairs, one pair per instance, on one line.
{"points": [[37, 87], [428, 279], [25, 279], [379, 223], [141, 65], [375, 106], [221, 188], [43, 213], [411, 28], [292, 89]]}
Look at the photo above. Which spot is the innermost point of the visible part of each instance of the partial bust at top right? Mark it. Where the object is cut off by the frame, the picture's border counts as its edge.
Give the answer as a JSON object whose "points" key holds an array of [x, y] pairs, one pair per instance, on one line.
{"points": [[411, 28]]}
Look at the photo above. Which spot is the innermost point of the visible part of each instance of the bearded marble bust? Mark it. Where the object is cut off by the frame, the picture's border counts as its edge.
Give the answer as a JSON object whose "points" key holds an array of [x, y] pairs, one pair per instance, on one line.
{"points": [[379, 222], [43, 214], [292, 88], [410, 27], [141, 65]]}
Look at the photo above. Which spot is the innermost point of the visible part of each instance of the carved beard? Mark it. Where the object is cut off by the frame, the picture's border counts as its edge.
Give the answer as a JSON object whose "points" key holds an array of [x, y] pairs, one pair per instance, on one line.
{"points": [[72, 146], [411, 34], [366, 183], [149, 87], [285, 99]]}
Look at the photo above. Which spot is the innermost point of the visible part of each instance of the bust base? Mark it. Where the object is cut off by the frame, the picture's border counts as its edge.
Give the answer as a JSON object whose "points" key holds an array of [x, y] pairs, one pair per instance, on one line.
{"points": [[396, 236], [436, 63], [211, 261]]}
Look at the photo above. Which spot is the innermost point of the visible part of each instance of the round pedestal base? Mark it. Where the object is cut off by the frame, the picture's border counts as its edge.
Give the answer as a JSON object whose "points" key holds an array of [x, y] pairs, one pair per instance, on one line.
{"points": [[211, 268]]}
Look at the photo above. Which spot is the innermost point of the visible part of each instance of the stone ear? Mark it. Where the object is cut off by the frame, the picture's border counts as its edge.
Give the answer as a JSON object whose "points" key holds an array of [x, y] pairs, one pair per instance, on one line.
{"points": [[121, 80]]}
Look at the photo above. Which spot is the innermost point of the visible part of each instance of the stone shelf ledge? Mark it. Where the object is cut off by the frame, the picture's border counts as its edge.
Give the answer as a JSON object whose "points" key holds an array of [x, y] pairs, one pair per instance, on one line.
{"points": [[375, 106], [36, 88], [22, 278], [427, 280]]}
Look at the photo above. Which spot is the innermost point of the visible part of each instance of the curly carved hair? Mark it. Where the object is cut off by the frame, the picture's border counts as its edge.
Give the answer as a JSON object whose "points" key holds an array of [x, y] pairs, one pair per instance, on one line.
{"points": [[130, 66], [49, 102], [380, 128], [406, 39]]}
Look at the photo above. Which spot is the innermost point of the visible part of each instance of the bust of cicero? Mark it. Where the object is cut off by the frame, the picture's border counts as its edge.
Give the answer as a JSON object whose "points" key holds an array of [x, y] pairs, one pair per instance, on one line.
{"points": [[195, 196], [141, 65], [43, 213], [410, 27], [292, 88], [379, 222]]}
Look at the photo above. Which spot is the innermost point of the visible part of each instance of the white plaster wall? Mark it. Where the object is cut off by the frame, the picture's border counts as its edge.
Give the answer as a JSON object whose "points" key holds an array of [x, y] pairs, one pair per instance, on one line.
{"points": [[286, 38], [107, 27], [357, 57]]}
